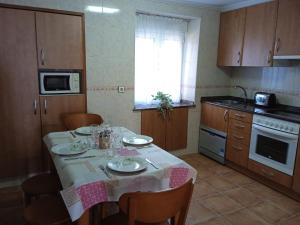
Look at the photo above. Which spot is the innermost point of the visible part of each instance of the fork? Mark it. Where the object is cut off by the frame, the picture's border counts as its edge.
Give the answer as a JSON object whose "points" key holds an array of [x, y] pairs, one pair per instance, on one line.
{"points": [[105, 171]]}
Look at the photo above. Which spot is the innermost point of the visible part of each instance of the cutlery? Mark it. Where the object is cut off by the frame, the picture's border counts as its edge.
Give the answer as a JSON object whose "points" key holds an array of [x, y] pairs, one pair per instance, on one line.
{"points": [[151, 163], [105, 171], [73, 135], [82, 157]]}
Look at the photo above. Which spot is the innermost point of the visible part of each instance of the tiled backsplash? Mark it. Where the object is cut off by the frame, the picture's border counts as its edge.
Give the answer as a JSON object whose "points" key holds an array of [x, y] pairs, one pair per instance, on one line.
{"points": [[283, 81]]}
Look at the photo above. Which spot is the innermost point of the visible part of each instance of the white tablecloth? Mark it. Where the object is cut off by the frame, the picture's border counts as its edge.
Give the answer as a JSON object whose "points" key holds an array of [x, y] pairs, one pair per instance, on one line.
{"points": [[85, 184]]}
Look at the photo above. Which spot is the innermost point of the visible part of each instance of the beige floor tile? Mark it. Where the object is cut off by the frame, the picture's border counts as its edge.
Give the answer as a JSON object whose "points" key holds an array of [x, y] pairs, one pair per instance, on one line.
{"points": [[220, 169], [216, 221], [293, 220], [243, 196], [203, 173], [220, 183], [287, 204], [269, 212], [221, 204], [238, 178], [199, 213], [245, 217], [203, 189]]}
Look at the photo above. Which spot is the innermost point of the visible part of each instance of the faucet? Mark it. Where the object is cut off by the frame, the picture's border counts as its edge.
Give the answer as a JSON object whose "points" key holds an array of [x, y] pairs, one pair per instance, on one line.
{"points": [[245, 93]]}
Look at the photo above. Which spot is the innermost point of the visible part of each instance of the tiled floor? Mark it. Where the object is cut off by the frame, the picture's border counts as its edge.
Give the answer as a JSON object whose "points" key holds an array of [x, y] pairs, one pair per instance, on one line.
{"points": [[221, 197]]}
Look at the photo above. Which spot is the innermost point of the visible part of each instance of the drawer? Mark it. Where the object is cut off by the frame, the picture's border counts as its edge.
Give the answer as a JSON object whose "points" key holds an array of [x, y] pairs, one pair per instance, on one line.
{"points": [[241, 116], [270, 173], [237, 153], [239, 126], [239, 137]]}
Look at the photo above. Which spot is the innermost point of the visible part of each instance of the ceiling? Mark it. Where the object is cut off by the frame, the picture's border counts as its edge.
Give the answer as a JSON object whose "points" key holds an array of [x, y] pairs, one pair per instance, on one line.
{"points": [[214, 2]]}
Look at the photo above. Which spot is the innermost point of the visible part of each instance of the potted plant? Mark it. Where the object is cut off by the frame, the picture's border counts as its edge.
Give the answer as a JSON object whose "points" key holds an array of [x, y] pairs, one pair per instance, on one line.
{"points": [[165, 102]]}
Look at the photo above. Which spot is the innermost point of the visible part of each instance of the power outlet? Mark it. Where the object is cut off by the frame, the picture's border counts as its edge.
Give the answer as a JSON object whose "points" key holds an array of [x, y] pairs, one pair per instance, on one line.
{"points": [[121, 89]]}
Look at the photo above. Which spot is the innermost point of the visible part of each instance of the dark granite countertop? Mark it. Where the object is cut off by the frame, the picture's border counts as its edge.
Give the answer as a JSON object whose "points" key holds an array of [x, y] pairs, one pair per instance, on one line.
{"points": [[181, 104], [284, 112]]}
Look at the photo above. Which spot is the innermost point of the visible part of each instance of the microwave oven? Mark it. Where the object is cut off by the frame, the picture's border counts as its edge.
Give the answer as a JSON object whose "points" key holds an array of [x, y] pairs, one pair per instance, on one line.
{"points": [[59, 82]]}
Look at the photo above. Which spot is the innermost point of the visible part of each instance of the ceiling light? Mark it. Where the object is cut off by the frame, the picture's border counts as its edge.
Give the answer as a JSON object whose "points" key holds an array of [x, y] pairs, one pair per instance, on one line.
{"points": [[99, 9]]}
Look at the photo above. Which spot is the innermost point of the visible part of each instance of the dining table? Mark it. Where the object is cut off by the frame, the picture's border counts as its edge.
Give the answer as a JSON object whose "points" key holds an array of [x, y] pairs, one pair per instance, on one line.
{"points": [[92, 177]]}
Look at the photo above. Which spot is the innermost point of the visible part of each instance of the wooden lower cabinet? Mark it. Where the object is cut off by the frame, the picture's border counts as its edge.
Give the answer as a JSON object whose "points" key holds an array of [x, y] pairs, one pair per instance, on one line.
{"points": [[296, 178], [237, 153], [169, 133]]}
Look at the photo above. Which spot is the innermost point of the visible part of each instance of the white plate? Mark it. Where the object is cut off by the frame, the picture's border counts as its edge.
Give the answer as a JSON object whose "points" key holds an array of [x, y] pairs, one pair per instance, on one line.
{"points": [[68, 149], [127, 164], [137, 140], [84, 130]]}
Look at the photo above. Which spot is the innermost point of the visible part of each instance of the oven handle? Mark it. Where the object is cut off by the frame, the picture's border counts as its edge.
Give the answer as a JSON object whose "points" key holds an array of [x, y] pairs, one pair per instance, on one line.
{"points": [[275, 132]]}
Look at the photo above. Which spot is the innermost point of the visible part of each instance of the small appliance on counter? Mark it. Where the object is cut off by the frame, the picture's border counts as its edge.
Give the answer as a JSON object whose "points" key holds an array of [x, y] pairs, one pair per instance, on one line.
{"points": [[212, 143], [264, 99]]}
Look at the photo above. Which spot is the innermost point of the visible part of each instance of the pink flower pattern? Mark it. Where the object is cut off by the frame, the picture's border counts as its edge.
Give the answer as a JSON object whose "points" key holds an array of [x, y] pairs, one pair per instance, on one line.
{"points": [[178, 176], [127, 152]]}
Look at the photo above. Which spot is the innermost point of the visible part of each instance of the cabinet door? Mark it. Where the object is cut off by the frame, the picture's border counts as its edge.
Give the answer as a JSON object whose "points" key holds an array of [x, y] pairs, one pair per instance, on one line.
{"points": [[232, 27], [296, 178], [20, 129], [259, 34], [59, 41], [54, 107], [237, 153], [288, 28], [177, 123], [214, 117], [153, 124]]}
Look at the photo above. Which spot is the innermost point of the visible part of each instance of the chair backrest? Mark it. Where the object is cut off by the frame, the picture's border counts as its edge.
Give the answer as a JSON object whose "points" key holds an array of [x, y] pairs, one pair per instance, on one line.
{"points": [[157, 207], [75, 120]]}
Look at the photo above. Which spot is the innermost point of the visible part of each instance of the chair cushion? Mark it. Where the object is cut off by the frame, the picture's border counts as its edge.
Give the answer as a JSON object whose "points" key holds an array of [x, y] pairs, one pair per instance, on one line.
{"points": [[46, 211], [41, 184]]}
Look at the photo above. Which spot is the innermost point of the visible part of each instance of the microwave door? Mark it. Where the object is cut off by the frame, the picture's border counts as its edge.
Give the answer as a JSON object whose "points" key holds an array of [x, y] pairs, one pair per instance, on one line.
{"points": [[57, 83]]}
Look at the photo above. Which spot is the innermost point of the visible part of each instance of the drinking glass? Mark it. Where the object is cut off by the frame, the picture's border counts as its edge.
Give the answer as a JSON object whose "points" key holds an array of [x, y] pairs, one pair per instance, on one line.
{"points": [[95, 135]]}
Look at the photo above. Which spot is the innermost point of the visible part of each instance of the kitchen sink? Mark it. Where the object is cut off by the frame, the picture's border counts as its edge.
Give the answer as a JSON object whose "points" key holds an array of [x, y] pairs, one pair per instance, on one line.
{"points": [[230, 102]]}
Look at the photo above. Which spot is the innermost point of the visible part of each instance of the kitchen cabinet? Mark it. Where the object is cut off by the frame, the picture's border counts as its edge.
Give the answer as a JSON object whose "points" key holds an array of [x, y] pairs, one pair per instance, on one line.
{"points": [[169, 133], [232, 29], [215, 117], [20, 138], [288, 28], [296, 178], [259, 34], [59, 41]]}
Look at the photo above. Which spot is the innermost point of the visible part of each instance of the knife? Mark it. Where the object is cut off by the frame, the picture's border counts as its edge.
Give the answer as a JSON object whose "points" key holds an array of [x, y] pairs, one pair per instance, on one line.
{"points": [[151, 163], [82, 157]]}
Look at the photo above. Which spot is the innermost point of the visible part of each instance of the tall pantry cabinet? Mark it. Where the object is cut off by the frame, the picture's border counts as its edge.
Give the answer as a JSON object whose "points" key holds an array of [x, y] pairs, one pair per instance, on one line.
{"points": [[22, 116]]}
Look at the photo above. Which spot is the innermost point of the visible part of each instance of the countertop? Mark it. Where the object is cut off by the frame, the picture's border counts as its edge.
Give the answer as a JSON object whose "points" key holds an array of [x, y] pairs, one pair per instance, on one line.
{"points": [[279, 111]]}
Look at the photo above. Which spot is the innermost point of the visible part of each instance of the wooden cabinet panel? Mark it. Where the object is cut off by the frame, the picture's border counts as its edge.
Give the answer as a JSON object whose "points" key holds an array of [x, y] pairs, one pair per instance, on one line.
{"points": [[214, 117], [288, 28], [241, 116], [259, 34], [54, 107], [153, 125], [176, 137], [296, 178], [20, 130], [59, 41], [232, 27], [270, 173], [237, 153]]}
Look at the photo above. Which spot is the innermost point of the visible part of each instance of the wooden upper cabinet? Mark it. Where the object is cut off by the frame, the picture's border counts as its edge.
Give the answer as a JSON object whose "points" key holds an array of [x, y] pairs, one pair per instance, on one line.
{"points": [[259, 34], [59, 41], [214, 117], [232, 28], [288, 28]]}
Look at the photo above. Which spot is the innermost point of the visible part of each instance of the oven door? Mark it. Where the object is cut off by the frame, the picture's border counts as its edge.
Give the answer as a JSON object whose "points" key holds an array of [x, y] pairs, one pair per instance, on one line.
{"points": [[273, 148]]}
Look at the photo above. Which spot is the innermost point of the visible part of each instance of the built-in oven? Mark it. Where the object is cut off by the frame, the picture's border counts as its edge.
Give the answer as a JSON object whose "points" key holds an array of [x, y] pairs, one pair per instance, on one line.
{"points": [[274, 143], [59, 82]]}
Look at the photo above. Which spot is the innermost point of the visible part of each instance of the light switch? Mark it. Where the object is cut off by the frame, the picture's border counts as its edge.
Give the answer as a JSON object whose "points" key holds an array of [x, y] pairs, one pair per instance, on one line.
{"points": [[121, 89]]}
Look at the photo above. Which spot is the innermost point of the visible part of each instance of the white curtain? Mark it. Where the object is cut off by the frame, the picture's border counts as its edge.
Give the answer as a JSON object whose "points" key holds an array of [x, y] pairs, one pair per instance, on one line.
{"points": [[159, 43]]}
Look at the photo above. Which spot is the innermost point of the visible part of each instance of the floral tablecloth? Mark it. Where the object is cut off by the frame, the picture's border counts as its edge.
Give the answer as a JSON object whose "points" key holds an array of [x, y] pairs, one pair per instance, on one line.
{"points": [[85, 184]]}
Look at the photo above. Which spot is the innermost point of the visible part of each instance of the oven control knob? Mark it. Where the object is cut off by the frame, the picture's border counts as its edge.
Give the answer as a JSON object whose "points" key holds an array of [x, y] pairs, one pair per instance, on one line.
{"points": [[286, 128], [267, 122], [276, 125], [291, 129], [271, 124]]}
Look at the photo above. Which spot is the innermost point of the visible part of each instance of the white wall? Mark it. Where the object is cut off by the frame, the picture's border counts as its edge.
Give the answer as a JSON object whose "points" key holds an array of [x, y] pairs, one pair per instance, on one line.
{"points": [[110, 57], [283, 81]]}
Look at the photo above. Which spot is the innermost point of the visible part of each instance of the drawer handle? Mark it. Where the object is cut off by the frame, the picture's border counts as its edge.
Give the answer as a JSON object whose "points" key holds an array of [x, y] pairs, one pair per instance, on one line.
{"points": [[238, 137], [239, 126], [225, 115], [239, 115], [267, 174], [237, 148]]}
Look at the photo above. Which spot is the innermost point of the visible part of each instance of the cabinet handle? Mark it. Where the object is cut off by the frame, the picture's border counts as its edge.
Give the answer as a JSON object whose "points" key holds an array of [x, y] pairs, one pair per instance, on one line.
{"points": [[34, 106], [45, 106], [239, 126], [239, 115], [269, 58], [277, 45], [225, 115], [42, 56], [237, 148], [239, 55], [238, 137]]}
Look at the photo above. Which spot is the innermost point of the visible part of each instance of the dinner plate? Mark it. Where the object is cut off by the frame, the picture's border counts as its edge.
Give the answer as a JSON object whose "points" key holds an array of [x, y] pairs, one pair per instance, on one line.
{"points": [[84, 130], [127, 164], [68, 149], [137, 140]]}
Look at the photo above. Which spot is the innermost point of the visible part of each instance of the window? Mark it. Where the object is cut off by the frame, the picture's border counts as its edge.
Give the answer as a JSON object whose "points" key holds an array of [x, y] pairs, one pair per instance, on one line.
{"points": [[159, 56]]}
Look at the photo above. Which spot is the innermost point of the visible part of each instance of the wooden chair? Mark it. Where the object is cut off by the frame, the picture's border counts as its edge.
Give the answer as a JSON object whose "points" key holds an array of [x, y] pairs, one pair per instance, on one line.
{"points": [[47, 211], [42, 184], [153, 207], [75, 120]]}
